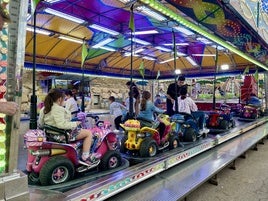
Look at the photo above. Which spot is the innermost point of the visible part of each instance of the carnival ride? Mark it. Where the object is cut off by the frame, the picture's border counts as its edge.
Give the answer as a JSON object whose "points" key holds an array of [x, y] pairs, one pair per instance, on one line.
{"points": [[57, 160], [186, 126], [146, 141], [220, 119]]}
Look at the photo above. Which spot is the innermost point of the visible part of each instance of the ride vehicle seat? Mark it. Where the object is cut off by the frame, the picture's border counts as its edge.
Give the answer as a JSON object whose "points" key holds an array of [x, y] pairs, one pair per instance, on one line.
{"points": [[254, 101], [55, 134]]}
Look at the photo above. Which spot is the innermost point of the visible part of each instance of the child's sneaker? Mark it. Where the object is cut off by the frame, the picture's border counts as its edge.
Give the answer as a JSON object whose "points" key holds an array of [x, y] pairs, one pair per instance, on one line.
{"points": [[203, 131], [93, 159]]}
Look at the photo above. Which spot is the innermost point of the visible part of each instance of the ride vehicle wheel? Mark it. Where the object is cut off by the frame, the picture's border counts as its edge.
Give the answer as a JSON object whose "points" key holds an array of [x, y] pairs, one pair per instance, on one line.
{"points": [[33, 178], [148, 148], [224, 124], [233, 123], [111, 159], [254, 116], [123, 148], [56, 170], [189, 135], [173, 142]]}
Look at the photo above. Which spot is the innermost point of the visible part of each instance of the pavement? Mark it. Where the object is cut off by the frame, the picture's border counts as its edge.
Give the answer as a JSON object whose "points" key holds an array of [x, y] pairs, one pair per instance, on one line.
{"points": [[249, 182]]}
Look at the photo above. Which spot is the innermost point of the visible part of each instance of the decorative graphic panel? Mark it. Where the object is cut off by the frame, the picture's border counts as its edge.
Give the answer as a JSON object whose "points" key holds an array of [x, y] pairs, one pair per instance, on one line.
{"points": [[226, 23]]}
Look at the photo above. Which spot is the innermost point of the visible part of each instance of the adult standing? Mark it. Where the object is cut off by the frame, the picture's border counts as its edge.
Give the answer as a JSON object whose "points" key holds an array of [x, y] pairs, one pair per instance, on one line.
{"points": [[71, 103], [135, 94], [171, 93]]}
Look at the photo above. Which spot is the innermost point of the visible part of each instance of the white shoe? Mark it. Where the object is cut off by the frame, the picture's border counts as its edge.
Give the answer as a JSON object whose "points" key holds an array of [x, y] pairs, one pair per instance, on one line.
{"points": [[203, 131], [116, 131]]}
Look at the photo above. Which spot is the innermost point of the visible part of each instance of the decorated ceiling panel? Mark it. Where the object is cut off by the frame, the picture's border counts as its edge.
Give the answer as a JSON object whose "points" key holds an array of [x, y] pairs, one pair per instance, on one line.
{"points": [[226, 22], [195, 55]]}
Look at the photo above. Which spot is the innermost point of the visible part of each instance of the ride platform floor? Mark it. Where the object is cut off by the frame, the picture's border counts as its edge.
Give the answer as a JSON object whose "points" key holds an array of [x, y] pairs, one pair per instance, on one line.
{"points": [[249, 182]]}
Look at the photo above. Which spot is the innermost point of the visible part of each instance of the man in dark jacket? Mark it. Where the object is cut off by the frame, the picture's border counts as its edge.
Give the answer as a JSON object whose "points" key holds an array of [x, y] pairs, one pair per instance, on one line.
{"points": [[171, 93]]}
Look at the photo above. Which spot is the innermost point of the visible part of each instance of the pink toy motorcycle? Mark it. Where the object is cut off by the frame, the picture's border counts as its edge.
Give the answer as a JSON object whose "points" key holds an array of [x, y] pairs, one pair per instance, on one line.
{"points": [[53, 158]]}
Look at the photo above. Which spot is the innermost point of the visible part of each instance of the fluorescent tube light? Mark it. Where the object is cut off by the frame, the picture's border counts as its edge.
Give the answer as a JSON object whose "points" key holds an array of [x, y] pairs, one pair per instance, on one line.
{"points": [[163, 49], [191, 61], [104, 29], [135, 52], [151, 13], [71, 39], [37, 30], [224, 66], [204, 55], [145, 32], [177, 44], [149, 58], [184, 30], [136, 40], [177, 71], [52, 1], [125, 1], [204, 40], [218, 47], [108, 48], [168, 60], [63, 15], [102, 43]]}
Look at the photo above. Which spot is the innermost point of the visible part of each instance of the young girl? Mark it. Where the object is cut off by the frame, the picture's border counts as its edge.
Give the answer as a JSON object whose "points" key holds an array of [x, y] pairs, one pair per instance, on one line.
{"points": [[187, 105], [147, 108], [54, 114]]}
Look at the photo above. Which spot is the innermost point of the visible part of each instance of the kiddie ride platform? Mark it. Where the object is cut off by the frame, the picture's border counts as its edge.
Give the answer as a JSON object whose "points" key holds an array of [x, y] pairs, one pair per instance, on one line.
{"points": [[104, 186]]}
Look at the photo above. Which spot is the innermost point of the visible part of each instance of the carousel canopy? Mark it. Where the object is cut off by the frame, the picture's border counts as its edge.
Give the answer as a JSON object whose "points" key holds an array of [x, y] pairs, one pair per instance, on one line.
{"points": [[142, 38]]}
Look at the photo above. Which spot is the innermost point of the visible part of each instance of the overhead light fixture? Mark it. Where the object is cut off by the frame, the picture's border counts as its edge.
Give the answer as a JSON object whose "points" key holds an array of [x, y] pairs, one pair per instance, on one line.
{"points": [[125, 1], [168, 60], [64, 15], [135, 52], [147, 11], [102, 43], [71, 39], [204, 55], [142, 42], [163, 49], [104, 29], [145, 32], [191, 61], [177, 71], [177, 44], [37, 30], [224, 66], [52, 1], [149, 58], [108, 48], [204, 40], [184, 30], [218, 47]]}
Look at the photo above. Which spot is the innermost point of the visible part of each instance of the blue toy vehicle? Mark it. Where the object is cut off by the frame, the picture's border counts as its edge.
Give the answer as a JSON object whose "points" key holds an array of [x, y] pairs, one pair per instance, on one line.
{"points": [[186, 126]]}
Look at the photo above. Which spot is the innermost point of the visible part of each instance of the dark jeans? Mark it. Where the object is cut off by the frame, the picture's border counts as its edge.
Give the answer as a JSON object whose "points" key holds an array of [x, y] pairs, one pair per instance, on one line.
{"points": [[117, 122], [200, 117], [169, 111]]}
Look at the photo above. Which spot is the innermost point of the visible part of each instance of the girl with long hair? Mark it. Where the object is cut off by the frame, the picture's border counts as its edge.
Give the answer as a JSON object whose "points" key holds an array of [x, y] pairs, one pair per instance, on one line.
{"points": [[54, 114]]}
